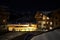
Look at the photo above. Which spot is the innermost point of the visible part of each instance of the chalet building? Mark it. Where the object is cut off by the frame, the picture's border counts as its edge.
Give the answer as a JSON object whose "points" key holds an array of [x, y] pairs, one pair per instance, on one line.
{"points": [[55, 17], [43, 21]]}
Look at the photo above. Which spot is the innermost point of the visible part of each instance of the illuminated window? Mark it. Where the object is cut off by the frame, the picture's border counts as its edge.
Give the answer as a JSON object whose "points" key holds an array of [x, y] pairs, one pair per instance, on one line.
{"points": [[50, 28], [43, 22], [47, 17], [44, 17], [50, 23]]}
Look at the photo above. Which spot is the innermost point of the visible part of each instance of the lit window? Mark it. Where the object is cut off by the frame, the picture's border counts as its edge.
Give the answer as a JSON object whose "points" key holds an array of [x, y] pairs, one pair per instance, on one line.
{"points": [[47, 17], [44, 17], [50, 23], [50, 28], [43, 22]]}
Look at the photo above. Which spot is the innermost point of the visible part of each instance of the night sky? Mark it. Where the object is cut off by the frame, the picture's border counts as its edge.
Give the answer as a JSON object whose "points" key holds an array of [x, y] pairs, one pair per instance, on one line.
{"points": [[26, 7], [33, 5]]}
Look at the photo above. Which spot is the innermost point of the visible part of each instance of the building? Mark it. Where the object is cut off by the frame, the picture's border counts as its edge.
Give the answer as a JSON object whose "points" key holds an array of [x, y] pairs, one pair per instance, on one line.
{"points": [[55, 17], [43, 21], [4, 14]]}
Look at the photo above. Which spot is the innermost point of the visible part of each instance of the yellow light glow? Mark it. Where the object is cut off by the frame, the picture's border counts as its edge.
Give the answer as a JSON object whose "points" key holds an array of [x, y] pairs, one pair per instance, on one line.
{"points": [[43, 22], [10, 28], [24, 25], [30, 29], [50, 23], [18, 25], [27, 29], [47, 17], [44, 17], [24, 28], [50, 27], [16, 29]]}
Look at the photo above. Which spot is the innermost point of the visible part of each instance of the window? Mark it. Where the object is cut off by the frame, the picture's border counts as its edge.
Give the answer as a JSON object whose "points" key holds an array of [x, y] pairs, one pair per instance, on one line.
{"points": [[43, 22], [44, 17], [50, 27], [47, 17], [50, 23]]}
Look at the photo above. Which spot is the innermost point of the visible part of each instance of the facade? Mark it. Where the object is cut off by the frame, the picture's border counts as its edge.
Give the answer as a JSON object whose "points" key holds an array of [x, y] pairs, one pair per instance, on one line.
{"points": [[55, 17], [43, 21]]}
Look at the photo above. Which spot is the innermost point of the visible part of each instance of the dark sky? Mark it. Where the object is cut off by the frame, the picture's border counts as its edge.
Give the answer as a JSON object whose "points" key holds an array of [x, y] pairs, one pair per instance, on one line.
{"points": [[34, 5], [24, 5], [18, 6]]}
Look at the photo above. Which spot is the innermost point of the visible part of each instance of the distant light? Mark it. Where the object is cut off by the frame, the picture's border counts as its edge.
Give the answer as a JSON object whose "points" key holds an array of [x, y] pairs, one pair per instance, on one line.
{"points": [[16, 30], [4, 20], [44, 17], [10, 28], [43, 22], [47, 17], [25, 27], [23, 30], [50, 28], [50, 23], [46, 30]]}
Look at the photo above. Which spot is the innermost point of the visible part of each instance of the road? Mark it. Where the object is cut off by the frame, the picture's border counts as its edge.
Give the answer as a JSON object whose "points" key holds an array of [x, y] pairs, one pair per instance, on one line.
{"points": [[27, 36], [18, 35], [52, 35], [11, 35]]}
